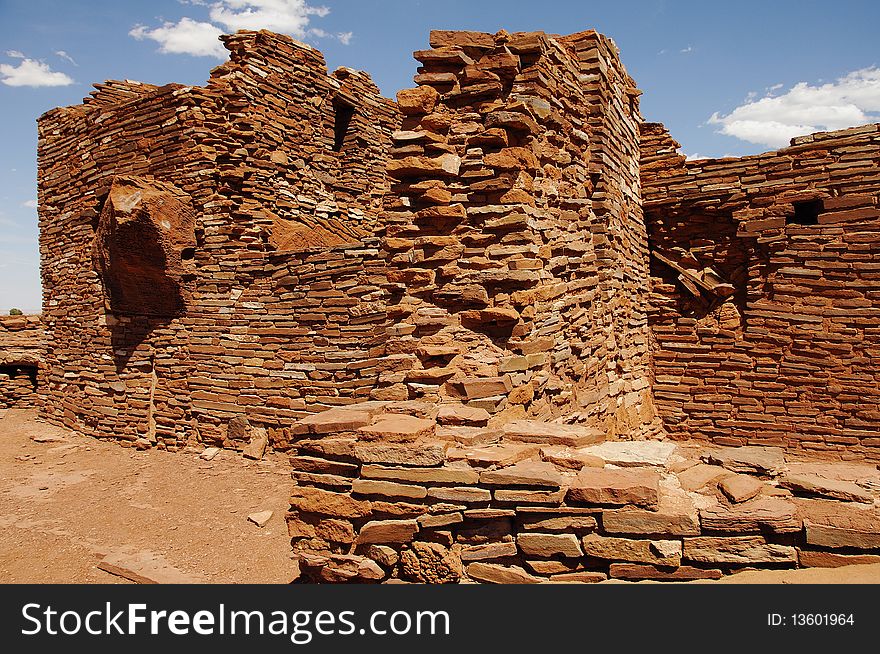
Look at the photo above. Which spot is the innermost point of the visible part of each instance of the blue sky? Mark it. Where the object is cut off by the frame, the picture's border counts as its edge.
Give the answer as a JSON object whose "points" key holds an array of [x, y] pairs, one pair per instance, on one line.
{"points": [[728, 78]]}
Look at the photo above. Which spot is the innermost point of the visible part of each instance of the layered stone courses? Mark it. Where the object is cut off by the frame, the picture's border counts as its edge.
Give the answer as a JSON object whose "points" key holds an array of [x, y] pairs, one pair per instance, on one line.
{"points": [[470, 315], [529, 520]]}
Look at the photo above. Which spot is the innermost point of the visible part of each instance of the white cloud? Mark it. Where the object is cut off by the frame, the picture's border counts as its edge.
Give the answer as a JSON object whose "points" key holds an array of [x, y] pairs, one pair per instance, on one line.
{"points": [[29, 204], [30, 72], [687, 50], [187, 36], [284, 16], [200, 38], [15, 54], [851, 100], [65, 56]]}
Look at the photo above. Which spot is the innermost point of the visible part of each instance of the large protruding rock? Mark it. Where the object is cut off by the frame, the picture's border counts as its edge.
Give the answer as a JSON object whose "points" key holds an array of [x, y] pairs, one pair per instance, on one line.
{"points": [[145, 236]]}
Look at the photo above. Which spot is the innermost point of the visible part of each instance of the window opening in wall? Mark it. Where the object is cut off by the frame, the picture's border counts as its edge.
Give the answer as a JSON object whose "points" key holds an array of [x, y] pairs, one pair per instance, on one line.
{"points": [[806, 213], [343, 112]]}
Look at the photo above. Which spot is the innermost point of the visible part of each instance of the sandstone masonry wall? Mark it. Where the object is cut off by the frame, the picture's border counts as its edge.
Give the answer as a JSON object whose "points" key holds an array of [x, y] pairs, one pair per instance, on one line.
{"points": [[238, 250], [515, 224], [266, 168], [21, 353], [778, 343]]}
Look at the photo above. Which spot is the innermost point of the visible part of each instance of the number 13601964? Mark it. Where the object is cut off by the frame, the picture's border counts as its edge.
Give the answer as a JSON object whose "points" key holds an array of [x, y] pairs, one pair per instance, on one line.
{"points": [[811, 620]]}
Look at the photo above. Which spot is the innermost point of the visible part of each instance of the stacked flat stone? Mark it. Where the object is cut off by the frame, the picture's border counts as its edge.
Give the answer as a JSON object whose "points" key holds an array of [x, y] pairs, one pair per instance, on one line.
{"points": [[515, 222], [22, 342], [238, 250], [787, 354], [279, 305], [406, 492]]}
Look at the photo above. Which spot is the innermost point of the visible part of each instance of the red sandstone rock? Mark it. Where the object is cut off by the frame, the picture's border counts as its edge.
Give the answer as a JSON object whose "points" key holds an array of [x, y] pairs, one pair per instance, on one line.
{"points": [[636, 572], [388, 489], [143, 231], [820, 559], [740, 488], [701, 476], [756, 515], [388, 531], [533, 431], [462, 415], [397, 429], [446, 475], [430, 563], [567, 457], [583, 577], [549, 545], [332, 421], [499, 455], [417, 101], [616, 486], [815, 485], [404, 454], [674, 516], [322, 502], [737, 550], [662, 553], [491, 573], [461, 39], [526, 473], [761, 460]]}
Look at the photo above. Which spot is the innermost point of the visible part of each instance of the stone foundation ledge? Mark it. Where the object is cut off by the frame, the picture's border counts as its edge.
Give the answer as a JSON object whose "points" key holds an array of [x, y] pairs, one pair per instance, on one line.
{"points": [[409, 492]]}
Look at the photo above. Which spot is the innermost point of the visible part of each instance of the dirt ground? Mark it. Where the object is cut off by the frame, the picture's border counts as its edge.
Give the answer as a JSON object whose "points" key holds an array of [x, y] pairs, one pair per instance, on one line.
{"points": [[68, 502]]}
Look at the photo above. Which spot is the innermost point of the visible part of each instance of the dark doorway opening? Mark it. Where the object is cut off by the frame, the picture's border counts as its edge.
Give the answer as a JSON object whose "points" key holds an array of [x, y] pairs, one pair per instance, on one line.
{"points": [[344, 113], [806, 213]]}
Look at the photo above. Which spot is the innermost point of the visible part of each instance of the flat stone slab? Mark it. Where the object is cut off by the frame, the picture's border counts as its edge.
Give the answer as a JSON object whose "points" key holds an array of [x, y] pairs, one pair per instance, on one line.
{"points": [[461, 415], [863, 474], [388, 531], [502, 454], [525, 473], [548, 433], [737, 550], [740, 488], [749, 459], [488, 551], [820, 559], [813, 484], [209, 453], [675, 515], [396, 428], [145, 568], [446, 475], [567, 457], [838, 525], [403, 454], [492, 573], [616, 486], [333, 421], [260, 518], [549, 545], [609, 548], [755, 516], [257, 447], [702, 476], [633, 453], [638, 572]]}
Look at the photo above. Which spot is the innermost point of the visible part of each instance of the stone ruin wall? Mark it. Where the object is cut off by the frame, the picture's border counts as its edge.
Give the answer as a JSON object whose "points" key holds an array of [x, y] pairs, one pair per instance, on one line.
{"points": [[251, 159], [236, 250], [515, 233], [779, 344], [21, 351], [412, 298]]}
